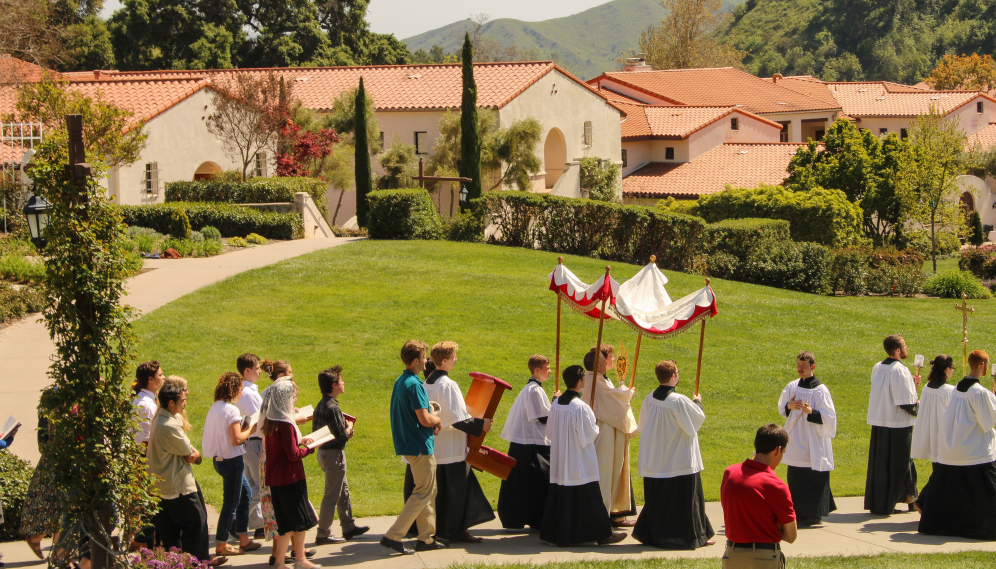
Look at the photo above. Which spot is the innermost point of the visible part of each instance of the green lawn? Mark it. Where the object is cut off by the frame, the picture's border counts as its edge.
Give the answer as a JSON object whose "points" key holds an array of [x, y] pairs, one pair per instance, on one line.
{"points": [[971, 560], [356, 304]]}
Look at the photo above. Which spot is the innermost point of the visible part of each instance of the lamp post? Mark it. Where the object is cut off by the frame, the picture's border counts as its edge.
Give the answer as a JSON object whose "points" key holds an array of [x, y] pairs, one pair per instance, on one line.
{"points": [[463, 194], [36, 212]]}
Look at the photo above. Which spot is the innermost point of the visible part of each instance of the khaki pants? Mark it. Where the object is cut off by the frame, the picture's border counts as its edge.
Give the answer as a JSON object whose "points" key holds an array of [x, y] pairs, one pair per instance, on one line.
{"points": [[420, 506], [746, 558]]}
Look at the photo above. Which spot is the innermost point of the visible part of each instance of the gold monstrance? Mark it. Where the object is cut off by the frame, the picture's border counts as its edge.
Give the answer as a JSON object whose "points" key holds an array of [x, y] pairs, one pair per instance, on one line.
{"points": [[622, 364], [965, 311]]}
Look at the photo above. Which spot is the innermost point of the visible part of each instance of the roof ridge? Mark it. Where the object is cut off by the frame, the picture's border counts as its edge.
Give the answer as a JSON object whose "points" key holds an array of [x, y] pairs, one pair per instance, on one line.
{"points": [[765, 143], [333, 67]]}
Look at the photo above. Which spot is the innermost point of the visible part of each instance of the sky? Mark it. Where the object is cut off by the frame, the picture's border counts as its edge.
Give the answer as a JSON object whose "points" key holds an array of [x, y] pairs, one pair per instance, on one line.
{"points": [[406, 18]]}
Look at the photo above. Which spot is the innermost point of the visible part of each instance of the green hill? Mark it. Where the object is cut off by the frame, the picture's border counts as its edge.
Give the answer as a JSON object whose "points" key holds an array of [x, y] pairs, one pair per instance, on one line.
{"points": [[858, 39], [586, 44]]}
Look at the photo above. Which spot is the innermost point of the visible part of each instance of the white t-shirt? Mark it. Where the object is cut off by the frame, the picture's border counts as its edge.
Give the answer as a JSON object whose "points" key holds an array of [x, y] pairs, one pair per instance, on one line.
{"points": [[571, 429], [217, 441], [933, 403], [522, 426], [145, 403], [450, 445], [669, 439], [250, 402], [967, 435], [810, 444], [891, 386]]}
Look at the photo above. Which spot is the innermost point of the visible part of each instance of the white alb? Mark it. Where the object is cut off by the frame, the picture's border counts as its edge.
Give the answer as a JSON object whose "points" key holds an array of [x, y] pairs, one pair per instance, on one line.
{"points": [[572, 431], [523, 424], [810, 444], [891, 386], [933, 403], [669, 440], [450, 444], [967, 435]]}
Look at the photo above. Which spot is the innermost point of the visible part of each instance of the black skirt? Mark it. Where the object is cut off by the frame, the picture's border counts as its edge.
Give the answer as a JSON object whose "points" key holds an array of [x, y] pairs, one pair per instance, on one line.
{"points": [[460, 500], [575, 514], [891, 473], [811, 493], [960, 501], [291, 507], [673, 515], [522, 497]]}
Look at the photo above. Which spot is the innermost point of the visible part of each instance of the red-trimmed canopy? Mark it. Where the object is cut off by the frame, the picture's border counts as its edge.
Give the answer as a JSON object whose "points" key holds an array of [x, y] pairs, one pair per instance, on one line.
{"points": [[582, 297], [644, 304]]}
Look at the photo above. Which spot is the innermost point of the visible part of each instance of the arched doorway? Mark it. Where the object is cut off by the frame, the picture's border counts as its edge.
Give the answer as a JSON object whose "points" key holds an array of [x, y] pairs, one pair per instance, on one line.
{"points": [[206, 171], [968, 205], [554, 156]]}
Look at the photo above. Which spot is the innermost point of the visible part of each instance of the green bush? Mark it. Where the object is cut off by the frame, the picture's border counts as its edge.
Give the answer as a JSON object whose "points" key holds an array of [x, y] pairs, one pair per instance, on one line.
{"points": [[255, 239], [895, 272], [209, 248], [804, 267], [739, 237], [513, 214], [20, 269], [687, 207], [468, 227], [210, 232], [952, 284], [850, 272], [640, 232], [254, 190], [230, 220], [196, 236], [184, 247], [947, 242], [976, 236], [237, 242], [16, 475], [402, 214], [340, 231], [16, 303], [819, 215], [576, 226], [600, 179], [179, 224]]}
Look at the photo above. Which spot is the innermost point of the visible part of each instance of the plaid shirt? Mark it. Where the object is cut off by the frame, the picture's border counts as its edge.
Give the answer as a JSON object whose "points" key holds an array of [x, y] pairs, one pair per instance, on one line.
{"points": [[327, 412]]}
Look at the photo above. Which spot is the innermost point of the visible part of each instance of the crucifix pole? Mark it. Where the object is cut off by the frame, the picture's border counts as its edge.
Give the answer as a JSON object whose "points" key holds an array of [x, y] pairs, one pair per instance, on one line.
{"points": [[965, 310]]}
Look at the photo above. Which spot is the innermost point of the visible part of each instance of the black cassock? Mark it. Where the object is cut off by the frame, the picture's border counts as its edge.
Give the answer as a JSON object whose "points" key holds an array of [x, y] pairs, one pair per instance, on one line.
{"points": [[522, 498], [673, 515], [960, 501], [891, 473]]}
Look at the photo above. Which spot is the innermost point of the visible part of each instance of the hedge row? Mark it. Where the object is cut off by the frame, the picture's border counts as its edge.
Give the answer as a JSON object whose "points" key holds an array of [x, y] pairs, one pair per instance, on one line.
{"points": [[402, 214], [819, 215], [230, 220], [883, 271], [255, 190]]}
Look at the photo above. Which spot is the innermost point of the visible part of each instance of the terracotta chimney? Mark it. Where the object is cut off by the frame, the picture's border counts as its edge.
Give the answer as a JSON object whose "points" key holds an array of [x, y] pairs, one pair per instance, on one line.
{"points": [[776, 77], [96, 74], [637, 64]]}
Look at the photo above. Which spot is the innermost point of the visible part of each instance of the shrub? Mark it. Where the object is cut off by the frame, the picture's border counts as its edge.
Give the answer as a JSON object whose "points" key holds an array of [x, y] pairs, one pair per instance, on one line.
{"points": [[254, 190], [230, 220], [739, 236], [16, 475], [513, 214], [947, 242], [196, 236], [804, 267], [210, 232], [977, 236], [185, 247], [468, 227], [237, 242], [600, 179], [402, 214], [640, 232], [576, 226], [850, 272], [687, 207], [159, 558], [20, 269], [952, 284], [979, 261], [179, 224], [340, 231], [818, 215], [895, 272], [255, 239], [16, 303], [208, 248]]}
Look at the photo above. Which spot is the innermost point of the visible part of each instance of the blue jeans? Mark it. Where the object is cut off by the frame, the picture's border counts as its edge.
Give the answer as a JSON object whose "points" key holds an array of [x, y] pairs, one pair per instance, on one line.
{"points": [[235, 507]]}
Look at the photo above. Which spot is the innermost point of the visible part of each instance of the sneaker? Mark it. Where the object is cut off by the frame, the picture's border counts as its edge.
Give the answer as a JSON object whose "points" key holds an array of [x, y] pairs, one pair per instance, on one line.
{"points": [[436, 544], [396, 545], [614, 538], [357, 531], [329, 539]]}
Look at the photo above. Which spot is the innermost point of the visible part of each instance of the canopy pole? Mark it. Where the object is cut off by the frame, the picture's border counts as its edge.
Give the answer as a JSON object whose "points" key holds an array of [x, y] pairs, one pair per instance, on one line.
{"points": [[639, 337], [698, 369], [556, 377], [598, 348]]}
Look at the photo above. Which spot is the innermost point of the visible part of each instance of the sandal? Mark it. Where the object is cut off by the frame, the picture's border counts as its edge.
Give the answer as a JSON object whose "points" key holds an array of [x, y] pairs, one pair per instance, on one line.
{"points": [[218, 561], [228, 549], [251, 546], [36, 548]]}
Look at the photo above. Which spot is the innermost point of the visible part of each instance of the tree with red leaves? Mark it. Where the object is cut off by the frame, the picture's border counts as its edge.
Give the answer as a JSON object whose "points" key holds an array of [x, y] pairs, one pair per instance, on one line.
{"points": [[304, 152]]}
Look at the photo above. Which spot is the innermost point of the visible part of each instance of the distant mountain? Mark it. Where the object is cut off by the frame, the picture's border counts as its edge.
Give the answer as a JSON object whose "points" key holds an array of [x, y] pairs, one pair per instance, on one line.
{"points": [[586, 44]]}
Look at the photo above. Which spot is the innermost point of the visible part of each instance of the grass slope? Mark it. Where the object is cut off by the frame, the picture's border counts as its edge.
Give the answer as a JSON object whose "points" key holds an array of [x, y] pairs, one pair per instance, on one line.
{"points": [[969, 560], [586, 43], [356, 304]]}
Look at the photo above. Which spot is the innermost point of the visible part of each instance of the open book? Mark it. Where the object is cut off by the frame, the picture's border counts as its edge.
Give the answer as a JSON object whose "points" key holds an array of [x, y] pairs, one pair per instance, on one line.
{"points": [[304, 413], [9, 426], [320, 437]]}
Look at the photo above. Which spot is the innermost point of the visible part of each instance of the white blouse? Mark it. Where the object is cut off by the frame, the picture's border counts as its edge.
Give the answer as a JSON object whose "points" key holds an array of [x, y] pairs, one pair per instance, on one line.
{"points": [[523, 423], [810, 444], [933, 403], [669, 440], [145, 404], [572, 431], [450, 444], [891, 386], [217, 441], [967, 428]]}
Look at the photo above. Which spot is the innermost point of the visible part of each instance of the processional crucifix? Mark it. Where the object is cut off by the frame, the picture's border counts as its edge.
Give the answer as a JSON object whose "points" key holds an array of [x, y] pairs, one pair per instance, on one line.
{"points": [[965, 311]]}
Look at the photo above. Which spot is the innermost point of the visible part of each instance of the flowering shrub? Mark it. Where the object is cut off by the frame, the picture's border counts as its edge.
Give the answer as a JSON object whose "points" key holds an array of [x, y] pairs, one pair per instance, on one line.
{"points": [[980, 261], [882, 271], [159, 558], [307, 153]]}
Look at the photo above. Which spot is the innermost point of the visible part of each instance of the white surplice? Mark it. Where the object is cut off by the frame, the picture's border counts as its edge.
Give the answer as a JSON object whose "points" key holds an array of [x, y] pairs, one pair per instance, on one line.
{"points": [[450, 444], [891, 386], [967, 435], [523, 426], [616, 423], [810, 444], [933, 404], [572, 431], [669, 440]]}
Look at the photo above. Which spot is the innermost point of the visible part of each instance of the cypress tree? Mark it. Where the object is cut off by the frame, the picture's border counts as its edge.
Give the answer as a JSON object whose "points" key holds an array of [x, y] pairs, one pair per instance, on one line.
{"points": [[976, 236], [470, 141], [362, 170]]}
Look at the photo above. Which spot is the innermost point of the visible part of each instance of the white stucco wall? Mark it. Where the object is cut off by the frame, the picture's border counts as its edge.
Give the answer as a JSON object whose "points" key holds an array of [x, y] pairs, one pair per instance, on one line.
{"points": [[719, 132], [180, 142], [796, 126], [638, 155], [405, 124], [967, 116], [984, 196]]}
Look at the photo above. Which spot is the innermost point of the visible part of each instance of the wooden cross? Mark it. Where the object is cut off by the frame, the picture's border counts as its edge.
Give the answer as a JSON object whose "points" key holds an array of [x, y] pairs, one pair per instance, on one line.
{"points": [[965, 311], [422, 179]]}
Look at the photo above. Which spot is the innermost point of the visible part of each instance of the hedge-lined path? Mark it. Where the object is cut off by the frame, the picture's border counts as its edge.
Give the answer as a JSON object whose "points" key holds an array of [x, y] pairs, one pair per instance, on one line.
{"points": [[26, 350], [848, 531]]}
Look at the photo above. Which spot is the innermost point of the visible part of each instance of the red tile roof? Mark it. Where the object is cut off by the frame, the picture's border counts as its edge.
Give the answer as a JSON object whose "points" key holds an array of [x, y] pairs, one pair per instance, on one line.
{"points": [[14, 71], [734, 164], [394, 87], [985, 136], [673, 122], [884, 99], [807, 85], [724, 86]]}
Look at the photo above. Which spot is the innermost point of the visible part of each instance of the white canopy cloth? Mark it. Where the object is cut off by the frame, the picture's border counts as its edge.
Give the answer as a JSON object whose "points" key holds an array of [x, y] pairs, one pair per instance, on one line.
{"points": [[647, 308], [582, 297]]}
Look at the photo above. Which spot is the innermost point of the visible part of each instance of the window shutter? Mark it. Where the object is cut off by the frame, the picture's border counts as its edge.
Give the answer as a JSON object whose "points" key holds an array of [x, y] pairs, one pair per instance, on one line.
{"points": [[587, 133]]}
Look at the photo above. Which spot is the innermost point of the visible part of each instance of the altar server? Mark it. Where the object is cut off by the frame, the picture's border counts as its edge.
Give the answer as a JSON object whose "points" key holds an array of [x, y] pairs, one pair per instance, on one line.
{"points": [[460, 501], [616, 423], [574, 509], [960, 498], [522, 498], [892, 410], [673, 515], [934, 401], [811, 425]]}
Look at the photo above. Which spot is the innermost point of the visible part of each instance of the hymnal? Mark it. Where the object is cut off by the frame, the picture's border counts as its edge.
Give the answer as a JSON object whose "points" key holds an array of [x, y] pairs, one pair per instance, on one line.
{"points": [[304, 413], [9, 427], [320, 437]]}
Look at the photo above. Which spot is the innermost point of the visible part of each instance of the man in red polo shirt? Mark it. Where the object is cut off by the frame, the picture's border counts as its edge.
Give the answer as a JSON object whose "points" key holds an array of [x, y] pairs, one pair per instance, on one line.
{"points": [[757, 506]]}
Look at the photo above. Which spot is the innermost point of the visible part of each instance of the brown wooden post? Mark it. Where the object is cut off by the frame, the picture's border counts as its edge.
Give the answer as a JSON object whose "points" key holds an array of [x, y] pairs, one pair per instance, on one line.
{"points": [[598, 348], [556, 377], [698, 369], [421, 178]]}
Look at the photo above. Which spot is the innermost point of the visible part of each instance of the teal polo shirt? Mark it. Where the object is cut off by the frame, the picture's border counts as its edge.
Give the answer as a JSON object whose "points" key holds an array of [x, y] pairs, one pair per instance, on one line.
{"points": [[410, 437]]}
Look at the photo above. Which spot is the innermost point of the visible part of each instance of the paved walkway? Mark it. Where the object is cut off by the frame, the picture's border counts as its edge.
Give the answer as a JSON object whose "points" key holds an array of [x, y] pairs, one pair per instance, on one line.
{"points": [[848, 531], [26, 350]]}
